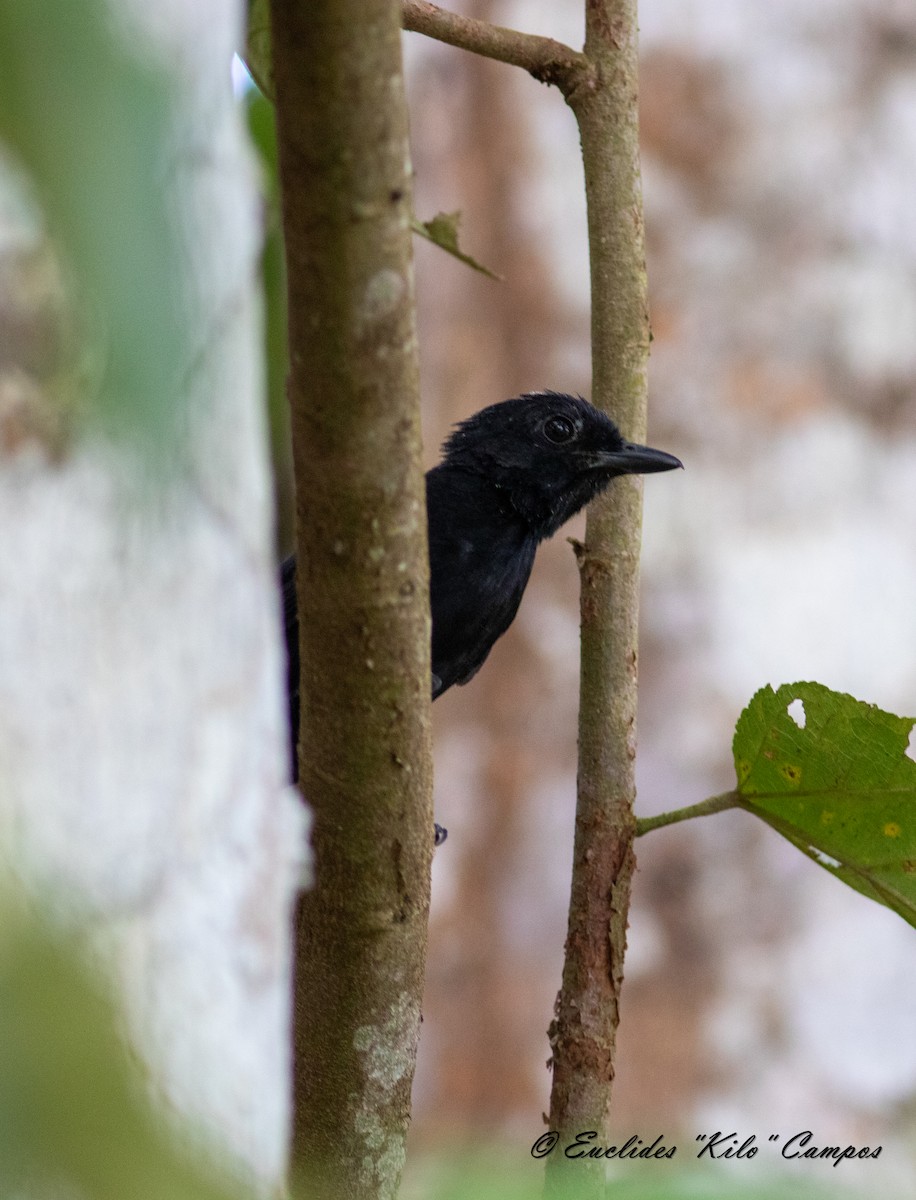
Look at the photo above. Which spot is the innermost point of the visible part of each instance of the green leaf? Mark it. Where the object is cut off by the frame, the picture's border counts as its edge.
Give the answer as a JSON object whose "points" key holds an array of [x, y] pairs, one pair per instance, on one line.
{"points": [[262, 127], [443, 231], [91, 120], [487, 1176], [263, 130], [75, 1118], [841, 788], [257, 53]]}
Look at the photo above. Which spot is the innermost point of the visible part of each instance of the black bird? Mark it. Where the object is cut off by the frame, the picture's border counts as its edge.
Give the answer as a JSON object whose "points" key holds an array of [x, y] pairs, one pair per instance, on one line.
{"points": [[510, 476]]}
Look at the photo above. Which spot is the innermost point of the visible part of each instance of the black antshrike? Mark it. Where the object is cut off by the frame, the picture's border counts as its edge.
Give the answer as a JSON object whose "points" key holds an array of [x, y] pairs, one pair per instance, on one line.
{"points": [[510, 476]]}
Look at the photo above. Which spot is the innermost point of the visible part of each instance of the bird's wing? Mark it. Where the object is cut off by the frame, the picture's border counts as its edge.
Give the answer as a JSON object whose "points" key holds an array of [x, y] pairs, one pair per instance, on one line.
{"points": [[468, 621], [480, 558]]}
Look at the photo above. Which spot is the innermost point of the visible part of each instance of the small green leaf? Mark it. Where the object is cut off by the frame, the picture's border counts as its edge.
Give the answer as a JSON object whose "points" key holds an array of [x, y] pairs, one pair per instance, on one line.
{"points": [[837, 783], [91, 118], [443, 231], [257, 54]]}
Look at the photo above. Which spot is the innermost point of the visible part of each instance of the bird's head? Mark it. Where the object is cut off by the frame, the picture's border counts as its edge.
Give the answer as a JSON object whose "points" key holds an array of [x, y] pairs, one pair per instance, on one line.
{"points": [[549, 454]]}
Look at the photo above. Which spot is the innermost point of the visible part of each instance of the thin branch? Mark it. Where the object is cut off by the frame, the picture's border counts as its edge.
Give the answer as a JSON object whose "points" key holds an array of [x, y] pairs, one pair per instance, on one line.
{"points": [[547, 60], [584, 1030], [704, 808]]}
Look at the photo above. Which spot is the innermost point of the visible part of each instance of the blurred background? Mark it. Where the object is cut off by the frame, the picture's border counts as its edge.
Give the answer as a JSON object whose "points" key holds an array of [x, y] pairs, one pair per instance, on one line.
{"points": [[779, 175]]}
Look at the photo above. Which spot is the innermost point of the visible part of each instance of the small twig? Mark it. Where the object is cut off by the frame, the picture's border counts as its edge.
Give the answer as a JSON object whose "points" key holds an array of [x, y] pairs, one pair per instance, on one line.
{"points": [[547, 60], [713, 805]]}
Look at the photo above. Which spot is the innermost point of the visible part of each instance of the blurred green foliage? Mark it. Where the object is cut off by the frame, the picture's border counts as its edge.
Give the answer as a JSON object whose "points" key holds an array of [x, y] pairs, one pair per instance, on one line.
{"points": [[257, 46], [839, 785], [73, 1106], [92, 122], [259, 113], [75, 1117], [508, 1177]]}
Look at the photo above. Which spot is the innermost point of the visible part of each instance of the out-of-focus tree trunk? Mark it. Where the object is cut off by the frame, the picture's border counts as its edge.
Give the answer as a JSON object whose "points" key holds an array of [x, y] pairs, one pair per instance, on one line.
{"points": [[142, 750]]}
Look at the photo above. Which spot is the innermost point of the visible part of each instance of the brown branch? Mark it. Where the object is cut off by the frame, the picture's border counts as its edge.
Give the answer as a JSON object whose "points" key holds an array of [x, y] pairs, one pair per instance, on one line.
{"points": [[547, 60], [364, 749], [584, 1031]]}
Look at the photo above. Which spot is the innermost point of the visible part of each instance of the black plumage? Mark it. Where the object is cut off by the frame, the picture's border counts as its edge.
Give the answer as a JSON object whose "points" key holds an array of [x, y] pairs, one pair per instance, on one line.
{"points": [[510, 476]]}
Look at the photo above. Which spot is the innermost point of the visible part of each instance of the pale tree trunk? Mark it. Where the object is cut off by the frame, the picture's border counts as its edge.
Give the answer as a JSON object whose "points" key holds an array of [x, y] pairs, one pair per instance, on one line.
{"points": [[364, 742], [143, 754]]}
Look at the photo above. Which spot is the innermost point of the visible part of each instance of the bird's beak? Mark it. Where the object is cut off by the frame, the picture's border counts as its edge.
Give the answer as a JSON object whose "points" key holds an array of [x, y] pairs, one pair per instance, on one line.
{"points": [[631, 459]]}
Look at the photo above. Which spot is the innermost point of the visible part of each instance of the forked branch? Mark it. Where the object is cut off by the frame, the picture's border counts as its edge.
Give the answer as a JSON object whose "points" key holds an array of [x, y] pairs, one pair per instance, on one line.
{"points": [[547, 60]]}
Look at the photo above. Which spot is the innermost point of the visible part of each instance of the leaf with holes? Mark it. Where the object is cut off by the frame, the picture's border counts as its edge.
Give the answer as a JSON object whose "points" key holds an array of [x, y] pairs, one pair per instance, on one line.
{"points": [[832, 775]]}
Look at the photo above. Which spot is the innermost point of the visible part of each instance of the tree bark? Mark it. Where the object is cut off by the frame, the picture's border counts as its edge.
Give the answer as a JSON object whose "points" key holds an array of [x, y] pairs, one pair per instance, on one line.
{"points": [[364, 748], [583, 1034]]}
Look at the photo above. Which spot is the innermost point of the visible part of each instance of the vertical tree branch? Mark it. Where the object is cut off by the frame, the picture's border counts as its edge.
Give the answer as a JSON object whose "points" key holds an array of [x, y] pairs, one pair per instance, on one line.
{"points": [[583, 1034], [364, 626]]}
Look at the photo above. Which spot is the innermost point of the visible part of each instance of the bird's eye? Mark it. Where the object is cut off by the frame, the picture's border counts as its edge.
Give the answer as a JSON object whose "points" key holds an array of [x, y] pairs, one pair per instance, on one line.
{"points": [[559, 429]]}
